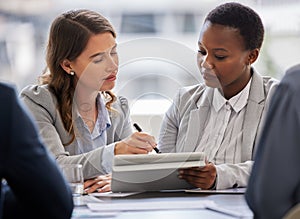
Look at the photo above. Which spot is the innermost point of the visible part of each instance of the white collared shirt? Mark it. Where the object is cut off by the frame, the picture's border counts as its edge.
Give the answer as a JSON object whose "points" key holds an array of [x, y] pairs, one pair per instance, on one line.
{"points": [[223, 132]]}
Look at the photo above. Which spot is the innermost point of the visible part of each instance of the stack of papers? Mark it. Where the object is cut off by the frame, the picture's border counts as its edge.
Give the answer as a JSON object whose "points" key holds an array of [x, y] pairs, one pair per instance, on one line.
{"points": [[220, 191], [163, 205], [149, 206]]}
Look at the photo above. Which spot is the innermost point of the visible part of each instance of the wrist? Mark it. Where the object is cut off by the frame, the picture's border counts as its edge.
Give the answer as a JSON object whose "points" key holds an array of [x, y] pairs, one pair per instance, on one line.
{"points": [[214, 185]]}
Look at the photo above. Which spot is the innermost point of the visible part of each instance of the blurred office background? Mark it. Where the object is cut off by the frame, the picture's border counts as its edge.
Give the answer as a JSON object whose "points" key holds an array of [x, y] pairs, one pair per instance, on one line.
{"points": [[157, 44]]}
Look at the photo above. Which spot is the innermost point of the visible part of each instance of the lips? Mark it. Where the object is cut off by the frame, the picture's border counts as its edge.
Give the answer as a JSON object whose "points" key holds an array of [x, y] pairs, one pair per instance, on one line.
{"points": [[208, 75], [111, 78]]}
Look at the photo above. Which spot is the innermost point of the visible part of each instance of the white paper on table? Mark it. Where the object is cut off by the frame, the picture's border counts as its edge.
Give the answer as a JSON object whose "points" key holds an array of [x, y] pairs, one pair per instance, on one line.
{"points": [[84, 199], [227, 211], [87, 213], [113, 194], [242, 211], [220, 191], [166, 205], [146, 206]]}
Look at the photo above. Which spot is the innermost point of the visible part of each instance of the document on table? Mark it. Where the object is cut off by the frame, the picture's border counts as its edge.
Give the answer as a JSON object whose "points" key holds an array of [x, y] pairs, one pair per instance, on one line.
{"points": [[87, 213], [113, 194], [166, 205], [148, 206], [220, 191], [240, 213], [84, 199]]}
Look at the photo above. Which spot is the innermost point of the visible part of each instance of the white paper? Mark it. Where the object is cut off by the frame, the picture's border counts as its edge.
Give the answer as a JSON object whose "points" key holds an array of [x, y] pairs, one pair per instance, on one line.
{"points": [[87, 213], [220, 191], [113, 194], [84, 199], [148, 206], [239, 212], [225, 211]]}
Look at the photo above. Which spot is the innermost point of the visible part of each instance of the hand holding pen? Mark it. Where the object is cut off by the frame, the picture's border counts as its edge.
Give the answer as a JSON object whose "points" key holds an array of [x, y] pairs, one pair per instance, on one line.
{"points": [[136, 143], [139, 129]]}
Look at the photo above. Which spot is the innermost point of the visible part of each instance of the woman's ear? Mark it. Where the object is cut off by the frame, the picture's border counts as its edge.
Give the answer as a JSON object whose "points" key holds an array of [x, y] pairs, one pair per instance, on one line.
{"points": [[253, 55], [66, 65]]}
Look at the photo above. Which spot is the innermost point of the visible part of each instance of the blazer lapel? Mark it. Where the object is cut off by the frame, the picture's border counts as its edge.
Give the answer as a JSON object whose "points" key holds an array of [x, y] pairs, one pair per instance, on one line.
{"points": [[253, 115], [197, 120]]}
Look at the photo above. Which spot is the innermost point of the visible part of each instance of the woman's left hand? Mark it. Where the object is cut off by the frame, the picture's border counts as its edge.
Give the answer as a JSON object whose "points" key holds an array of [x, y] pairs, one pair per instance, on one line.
{"points": [[100, 184], [200, 177]]}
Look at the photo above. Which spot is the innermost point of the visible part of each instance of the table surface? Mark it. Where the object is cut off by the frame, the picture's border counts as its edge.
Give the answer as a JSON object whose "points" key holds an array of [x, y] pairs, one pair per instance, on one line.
{"points": [[234, 202]]}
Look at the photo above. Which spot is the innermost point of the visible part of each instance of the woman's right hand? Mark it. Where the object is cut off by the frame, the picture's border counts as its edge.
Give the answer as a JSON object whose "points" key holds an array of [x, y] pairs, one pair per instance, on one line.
{"points": [[137, 143]]}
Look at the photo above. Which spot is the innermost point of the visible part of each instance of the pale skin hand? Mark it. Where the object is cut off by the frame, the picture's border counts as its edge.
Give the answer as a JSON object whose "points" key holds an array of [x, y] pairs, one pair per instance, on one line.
{"points": [[200, 177], [137, 143], [100, 184]]}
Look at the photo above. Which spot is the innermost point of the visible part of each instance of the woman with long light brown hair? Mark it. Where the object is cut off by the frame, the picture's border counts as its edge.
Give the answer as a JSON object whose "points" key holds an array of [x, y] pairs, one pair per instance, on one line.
{"points": [[80, 119]]}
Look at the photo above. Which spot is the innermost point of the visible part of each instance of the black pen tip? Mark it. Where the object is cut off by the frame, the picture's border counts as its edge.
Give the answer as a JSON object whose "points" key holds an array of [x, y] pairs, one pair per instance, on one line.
{"points": [[157, 151]]}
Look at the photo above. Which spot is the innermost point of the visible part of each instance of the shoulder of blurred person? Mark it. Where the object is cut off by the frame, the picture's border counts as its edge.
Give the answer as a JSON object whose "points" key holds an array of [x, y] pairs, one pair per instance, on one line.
{"points": [[27, 192], [292, 76], [273, 186], [293, 69]]}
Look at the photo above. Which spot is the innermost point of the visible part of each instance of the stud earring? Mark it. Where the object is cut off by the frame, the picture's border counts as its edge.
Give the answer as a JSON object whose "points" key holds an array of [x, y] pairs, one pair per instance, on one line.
{"points": [[72, 73]]}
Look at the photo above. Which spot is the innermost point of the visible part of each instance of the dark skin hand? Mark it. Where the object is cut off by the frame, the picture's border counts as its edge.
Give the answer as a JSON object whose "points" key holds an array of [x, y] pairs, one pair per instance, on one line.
{"points": [[200, 177]]}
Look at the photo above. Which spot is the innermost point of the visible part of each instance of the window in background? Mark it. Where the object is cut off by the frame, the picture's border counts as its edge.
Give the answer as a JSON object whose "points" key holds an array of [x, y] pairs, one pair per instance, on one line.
{"points": [[138, 23]]}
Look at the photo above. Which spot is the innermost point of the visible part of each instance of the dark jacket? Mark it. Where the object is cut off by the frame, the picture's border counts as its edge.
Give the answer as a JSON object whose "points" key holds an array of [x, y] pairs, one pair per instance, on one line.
{"points": [[274, 185], [27, 190]]}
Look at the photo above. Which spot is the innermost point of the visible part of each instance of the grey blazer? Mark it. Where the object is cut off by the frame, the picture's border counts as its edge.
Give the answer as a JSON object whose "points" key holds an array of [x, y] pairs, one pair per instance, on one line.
{"points": [[42, 103], [183, 125]]}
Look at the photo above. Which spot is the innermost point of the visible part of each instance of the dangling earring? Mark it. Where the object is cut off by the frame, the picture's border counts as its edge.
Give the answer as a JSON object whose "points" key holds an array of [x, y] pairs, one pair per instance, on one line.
{"points": [[72, 73]]}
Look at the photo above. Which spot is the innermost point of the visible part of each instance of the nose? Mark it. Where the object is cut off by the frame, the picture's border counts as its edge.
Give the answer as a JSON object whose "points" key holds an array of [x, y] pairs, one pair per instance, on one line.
{"points": [[112, 65], [206, 63]]}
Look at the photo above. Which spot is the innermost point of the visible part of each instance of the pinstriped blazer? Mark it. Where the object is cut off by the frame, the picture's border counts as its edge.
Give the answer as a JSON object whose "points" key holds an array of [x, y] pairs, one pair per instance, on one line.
{"points": [[183, 125]]}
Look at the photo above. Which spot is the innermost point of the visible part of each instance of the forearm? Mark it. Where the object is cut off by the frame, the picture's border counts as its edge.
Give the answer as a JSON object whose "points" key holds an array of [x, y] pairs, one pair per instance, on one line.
{"points": [[91, 162]]}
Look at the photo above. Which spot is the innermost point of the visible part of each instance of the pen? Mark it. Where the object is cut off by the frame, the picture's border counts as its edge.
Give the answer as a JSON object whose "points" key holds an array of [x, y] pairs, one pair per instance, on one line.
{"points": [[139, 129]]}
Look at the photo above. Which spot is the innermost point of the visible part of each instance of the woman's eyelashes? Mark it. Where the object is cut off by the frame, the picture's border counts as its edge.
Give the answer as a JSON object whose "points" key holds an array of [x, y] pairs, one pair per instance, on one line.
{"points": [[102, 57], [96, 61], [218, 57], [202, 52]]}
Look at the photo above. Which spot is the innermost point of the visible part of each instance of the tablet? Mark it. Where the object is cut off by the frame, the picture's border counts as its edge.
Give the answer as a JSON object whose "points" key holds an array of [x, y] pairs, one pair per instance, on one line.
{"points": [[152, 172]]}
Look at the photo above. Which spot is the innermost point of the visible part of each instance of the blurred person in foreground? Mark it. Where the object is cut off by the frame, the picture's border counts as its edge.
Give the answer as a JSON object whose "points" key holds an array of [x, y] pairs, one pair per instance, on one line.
{"points": [[274, 184], [223, 116], [79, 118], [31, 183]]}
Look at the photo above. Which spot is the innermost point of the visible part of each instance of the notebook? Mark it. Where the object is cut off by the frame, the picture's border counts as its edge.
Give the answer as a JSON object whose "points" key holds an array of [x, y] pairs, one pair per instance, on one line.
{"points": [[152, 172]]}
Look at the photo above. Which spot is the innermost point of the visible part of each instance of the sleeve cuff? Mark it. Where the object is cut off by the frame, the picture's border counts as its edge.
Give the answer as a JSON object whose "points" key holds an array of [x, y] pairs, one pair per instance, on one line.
{"points": [[107, 157]]}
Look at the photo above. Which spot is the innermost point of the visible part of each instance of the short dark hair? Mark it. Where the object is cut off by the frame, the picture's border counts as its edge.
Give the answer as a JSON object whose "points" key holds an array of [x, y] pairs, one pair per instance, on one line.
{"points": [[241, 17]]}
